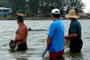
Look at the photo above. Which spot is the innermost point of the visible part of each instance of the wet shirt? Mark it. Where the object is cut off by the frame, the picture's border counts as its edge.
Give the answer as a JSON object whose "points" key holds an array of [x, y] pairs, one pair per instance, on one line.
{"points": [[56, 33], [75, 27], [75, 43]]}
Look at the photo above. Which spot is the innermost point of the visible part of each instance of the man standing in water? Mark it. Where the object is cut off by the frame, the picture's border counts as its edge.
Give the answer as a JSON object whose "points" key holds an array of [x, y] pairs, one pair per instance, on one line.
{"points": [[55, 40], [74, 32], [21, 34]]}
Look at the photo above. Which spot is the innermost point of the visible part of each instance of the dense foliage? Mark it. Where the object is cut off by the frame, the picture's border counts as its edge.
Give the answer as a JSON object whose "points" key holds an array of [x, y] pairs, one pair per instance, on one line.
{"points": [[42, 8]]}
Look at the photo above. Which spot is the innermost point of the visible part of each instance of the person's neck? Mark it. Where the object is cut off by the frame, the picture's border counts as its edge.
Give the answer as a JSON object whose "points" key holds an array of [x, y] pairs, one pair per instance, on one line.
{"points": [[56, 19], [73, 19], [20, 24]]}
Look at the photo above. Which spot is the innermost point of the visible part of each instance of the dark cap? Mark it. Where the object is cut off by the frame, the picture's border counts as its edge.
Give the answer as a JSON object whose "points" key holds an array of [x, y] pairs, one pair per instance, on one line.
{"points": [[20, 18]]}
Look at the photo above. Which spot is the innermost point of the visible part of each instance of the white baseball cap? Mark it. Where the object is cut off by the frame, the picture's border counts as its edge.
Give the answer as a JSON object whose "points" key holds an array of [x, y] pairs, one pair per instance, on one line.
{"points": [[55, 11]]}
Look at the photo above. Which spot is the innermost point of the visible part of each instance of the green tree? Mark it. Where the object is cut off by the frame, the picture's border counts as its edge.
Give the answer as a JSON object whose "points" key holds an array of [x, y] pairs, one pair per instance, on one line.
{"points": [[17, 6], [4, 3], [31, 7], [77, 4]]}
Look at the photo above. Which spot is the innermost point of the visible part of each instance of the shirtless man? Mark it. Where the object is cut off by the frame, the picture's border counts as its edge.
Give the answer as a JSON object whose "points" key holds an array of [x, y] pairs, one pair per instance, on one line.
{"points": [[21, 34]]}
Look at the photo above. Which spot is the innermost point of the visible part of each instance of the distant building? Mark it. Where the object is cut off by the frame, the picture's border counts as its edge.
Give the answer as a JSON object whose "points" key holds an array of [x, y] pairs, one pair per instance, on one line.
{"points": [[4, 12]]}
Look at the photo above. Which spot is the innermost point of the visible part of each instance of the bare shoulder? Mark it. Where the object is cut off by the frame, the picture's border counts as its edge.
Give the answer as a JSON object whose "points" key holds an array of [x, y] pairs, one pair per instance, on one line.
{"points": [[24, 28]]}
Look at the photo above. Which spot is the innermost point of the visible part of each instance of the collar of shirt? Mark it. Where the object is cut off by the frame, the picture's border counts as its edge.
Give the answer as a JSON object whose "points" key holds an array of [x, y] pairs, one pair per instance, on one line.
{"points": [[56, 19]]}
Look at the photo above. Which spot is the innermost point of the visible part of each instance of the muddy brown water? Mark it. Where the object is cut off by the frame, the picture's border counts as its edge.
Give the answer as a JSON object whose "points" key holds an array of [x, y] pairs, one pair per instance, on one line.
{"points": [[37, 40]]}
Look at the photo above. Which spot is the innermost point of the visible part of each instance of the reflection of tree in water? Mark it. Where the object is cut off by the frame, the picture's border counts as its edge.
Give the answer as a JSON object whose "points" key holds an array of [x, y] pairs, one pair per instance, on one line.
{"points": [[22, 58]]}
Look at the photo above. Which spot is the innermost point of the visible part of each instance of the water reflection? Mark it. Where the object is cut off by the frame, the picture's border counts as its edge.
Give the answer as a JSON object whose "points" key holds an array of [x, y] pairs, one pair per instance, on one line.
{"points": [[73, 56], [60, 58], [22, 58], [76, 56]]}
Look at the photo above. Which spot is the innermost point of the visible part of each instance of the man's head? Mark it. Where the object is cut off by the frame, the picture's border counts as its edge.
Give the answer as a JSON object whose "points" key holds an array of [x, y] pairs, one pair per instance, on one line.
{"points": [[72, 15], [55, 13], [20, 19]]}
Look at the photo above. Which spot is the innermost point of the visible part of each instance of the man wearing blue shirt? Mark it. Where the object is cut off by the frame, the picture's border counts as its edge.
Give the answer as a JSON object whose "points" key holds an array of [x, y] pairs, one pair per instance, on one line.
{"points": [[55, 40]]}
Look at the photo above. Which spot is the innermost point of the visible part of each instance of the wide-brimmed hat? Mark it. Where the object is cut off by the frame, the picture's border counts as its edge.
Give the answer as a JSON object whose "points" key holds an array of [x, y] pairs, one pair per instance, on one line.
{"points": [[20, 18], [71, 14], [20, 14]]}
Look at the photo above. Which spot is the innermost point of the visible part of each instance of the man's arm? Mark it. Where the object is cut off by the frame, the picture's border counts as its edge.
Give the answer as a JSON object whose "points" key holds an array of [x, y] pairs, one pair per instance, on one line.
{"points": [[73, 35], [50, 35], [48, 43], [74, 31]]}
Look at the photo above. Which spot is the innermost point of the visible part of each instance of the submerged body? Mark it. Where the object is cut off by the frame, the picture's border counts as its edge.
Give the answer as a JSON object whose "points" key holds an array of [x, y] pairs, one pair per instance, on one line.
{"points": [[75, 42], [74, 32], [21, 35], [55, 40]]}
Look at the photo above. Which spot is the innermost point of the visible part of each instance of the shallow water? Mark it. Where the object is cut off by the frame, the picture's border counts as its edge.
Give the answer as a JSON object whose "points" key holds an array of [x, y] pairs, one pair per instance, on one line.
{"points": [[37, 40]]}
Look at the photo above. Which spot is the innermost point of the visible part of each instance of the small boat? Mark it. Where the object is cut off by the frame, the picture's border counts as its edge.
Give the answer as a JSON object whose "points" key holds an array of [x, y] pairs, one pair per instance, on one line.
{"points": [[29, 29]]}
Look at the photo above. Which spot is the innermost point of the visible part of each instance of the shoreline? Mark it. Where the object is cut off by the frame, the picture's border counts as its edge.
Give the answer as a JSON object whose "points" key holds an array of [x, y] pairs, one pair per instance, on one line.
{"points": [[42, 18]]}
